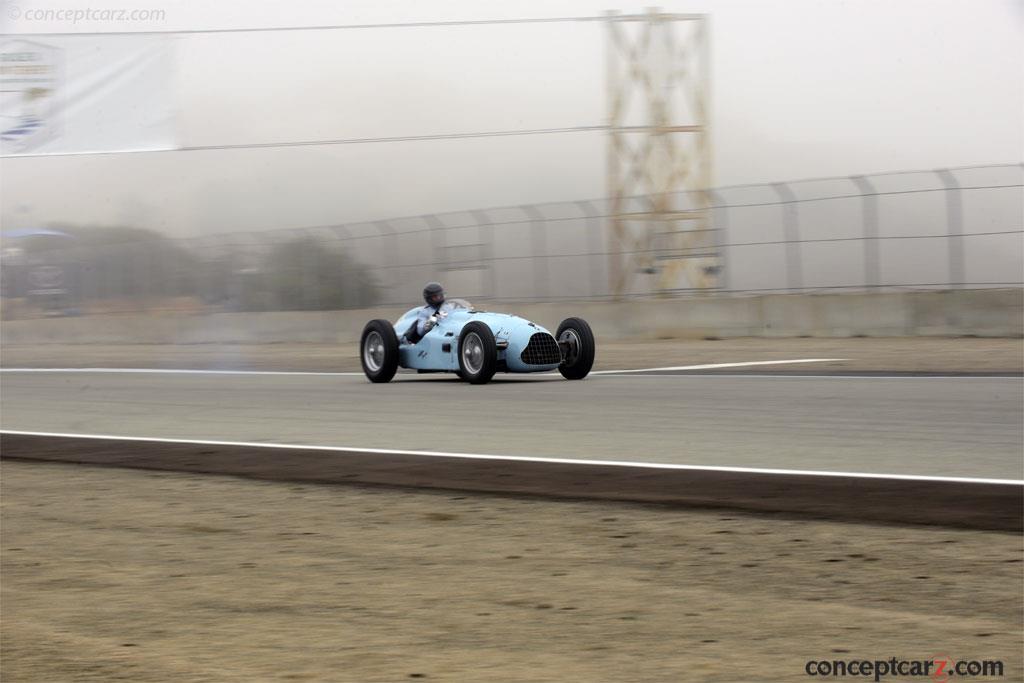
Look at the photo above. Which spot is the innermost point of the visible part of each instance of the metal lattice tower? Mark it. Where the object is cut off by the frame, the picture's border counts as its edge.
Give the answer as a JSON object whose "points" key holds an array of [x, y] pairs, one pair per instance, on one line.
{"points": [[659, 154]]}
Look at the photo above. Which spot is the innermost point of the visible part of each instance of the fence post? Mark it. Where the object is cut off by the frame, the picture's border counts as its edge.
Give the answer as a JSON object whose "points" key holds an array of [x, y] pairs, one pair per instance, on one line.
{"points": [[86, 276], [720, 221], [791, 231], [394, 260], [438, 240], [310, 269], [869, 210], [118, 274], [141, 285], [955, 225], [538, 249], [163, 269], [141, 280], [342, 234], [209, 285], [485, 227], [594, 242]]}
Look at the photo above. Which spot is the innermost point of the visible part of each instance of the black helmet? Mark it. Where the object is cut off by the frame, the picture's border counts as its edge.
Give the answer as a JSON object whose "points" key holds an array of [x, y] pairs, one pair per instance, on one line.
{"points": [[433, 294]]}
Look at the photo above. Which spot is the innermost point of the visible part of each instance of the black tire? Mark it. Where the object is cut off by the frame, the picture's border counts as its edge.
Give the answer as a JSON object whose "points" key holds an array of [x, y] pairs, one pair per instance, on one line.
{"points": [[477, 369], [382, 364], [579, 359]]}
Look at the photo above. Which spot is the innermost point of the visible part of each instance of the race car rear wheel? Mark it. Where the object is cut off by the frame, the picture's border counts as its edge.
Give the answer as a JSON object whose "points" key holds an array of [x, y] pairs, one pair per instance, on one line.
{"points": [[378, 351], [577, 343], [478, 353]]}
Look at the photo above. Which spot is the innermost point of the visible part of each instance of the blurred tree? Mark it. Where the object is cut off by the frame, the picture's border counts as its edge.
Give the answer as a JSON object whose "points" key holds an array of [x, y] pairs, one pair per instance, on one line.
{"points": [[142, 266], [118, 261], [306, 274]]}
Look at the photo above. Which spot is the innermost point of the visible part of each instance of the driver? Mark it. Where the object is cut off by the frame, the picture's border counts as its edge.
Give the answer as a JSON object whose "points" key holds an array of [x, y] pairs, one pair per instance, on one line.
{"points": [[428, 316]]}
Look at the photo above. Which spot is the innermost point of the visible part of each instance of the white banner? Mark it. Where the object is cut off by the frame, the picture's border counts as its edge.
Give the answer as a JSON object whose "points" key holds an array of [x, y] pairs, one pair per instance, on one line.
{"points": [[82, 94]]}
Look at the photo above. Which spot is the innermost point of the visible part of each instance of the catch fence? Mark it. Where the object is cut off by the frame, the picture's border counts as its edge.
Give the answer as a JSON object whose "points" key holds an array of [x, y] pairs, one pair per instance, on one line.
{"points": [[949, 228]]}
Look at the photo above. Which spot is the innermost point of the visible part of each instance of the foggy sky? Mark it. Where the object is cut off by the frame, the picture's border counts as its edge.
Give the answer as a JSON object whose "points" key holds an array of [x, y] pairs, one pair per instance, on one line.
{"points": [[799, 89]]}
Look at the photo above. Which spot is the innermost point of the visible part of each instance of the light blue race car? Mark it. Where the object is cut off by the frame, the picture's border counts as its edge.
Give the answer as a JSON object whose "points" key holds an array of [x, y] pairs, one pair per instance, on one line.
{"points": [[475, 345]]}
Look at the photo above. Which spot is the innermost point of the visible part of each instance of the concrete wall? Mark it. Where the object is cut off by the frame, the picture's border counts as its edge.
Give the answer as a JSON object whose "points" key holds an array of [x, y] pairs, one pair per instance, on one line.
{"points": [[984, 313]]}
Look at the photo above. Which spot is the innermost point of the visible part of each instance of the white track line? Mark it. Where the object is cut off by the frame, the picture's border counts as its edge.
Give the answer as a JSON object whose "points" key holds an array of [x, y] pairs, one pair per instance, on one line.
{"points": [[166, 371], [846, 376], [358, 374], [537, 376], [521, 458], [257, 373], [712, 366]]}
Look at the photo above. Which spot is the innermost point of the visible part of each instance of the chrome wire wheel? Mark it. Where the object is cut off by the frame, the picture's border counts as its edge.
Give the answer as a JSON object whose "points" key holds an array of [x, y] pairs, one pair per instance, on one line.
{"points": [[373, 351], [473, 353], [571, 342]]}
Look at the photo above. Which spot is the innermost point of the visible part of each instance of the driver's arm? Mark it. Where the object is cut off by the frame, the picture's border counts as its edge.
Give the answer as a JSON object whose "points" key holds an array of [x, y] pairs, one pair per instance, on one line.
{"points": [[425, 321]]}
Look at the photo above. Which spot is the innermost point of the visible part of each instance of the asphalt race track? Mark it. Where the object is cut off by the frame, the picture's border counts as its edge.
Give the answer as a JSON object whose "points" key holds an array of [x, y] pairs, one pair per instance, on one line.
{"points": [[928, 426]]}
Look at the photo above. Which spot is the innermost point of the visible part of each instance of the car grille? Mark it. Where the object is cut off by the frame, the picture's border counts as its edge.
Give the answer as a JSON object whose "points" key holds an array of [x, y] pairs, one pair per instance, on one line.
{"points": [[542, 350]]}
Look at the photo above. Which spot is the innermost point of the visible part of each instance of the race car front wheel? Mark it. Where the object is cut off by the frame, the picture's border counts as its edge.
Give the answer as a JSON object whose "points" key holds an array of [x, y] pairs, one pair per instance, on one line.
{"points": [[577, 343], [478, 354], [378, 351]]}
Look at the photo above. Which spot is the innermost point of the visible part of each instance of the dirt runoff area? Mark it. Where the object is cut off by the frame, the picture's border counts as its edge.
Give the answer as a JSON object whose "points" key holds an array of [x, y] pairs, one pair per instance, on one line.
{"points": [[115, 574], [881, 355]]}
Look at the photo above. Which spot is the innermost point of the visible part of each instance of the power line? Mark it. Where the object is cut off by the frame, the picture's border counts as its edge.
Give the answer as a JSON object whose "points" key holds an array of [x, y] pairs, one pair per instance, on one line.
{"points": [[407, 24], [400, 138], [611, 16], [340, 141]]}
